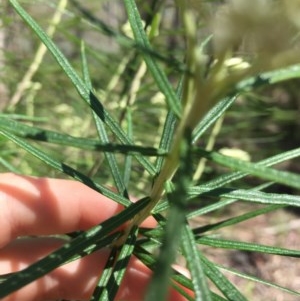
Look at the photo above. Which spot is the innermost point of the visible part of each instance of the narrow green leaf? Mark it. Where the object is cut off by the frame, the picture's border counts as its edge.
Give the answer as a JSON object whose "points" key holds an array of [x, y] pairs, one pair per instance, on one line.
{"points": [[85, 70], [119, 270], [222, 203], [168, 129], [23, 117], [258, 280], [230, 177], [38, 134], [105, 275], [211, 117], [237, 219], [191, 253], [112, 276], [244, 246], [128, 158], [221, 282], [263, 197], [210, 208], [110, 158], [100, 126], [157, 73], [269, 78], [256, 169], [166, 137], [216, 297], [281, 75]]}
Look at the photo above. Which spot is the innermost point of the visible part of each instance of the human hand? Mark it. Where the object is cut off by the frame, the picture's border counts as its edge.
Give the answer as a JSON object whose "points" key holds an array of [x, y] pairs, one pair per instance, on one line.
{"points": [[42, 206]]}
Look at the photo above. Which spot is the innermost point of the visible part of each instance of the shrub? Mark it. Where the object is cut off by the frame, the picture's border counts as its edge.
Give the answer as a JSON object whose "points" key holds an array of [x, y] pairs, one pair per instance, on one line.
{"points": [[175, 97]]}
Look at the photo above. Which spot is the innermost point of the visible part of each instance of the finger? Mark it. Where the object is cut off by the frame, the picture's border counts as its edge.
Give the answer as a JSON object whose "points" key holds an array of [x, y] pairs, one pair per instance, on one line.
{"points": [[41, 206], [73, 281]]}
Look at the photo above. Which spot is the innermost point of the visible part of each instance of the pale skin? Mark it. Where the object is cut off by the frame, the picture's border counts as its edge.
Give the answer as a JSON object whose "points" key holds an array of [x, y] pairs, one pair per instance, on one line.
{"points": [[42, 206]]}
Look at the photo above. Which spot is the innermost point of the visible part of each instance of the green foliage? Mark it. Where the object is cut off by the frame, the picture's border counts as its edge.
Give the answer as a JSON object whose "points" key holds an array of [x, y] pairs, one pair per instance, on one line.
{"points": [[99, 140]]}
